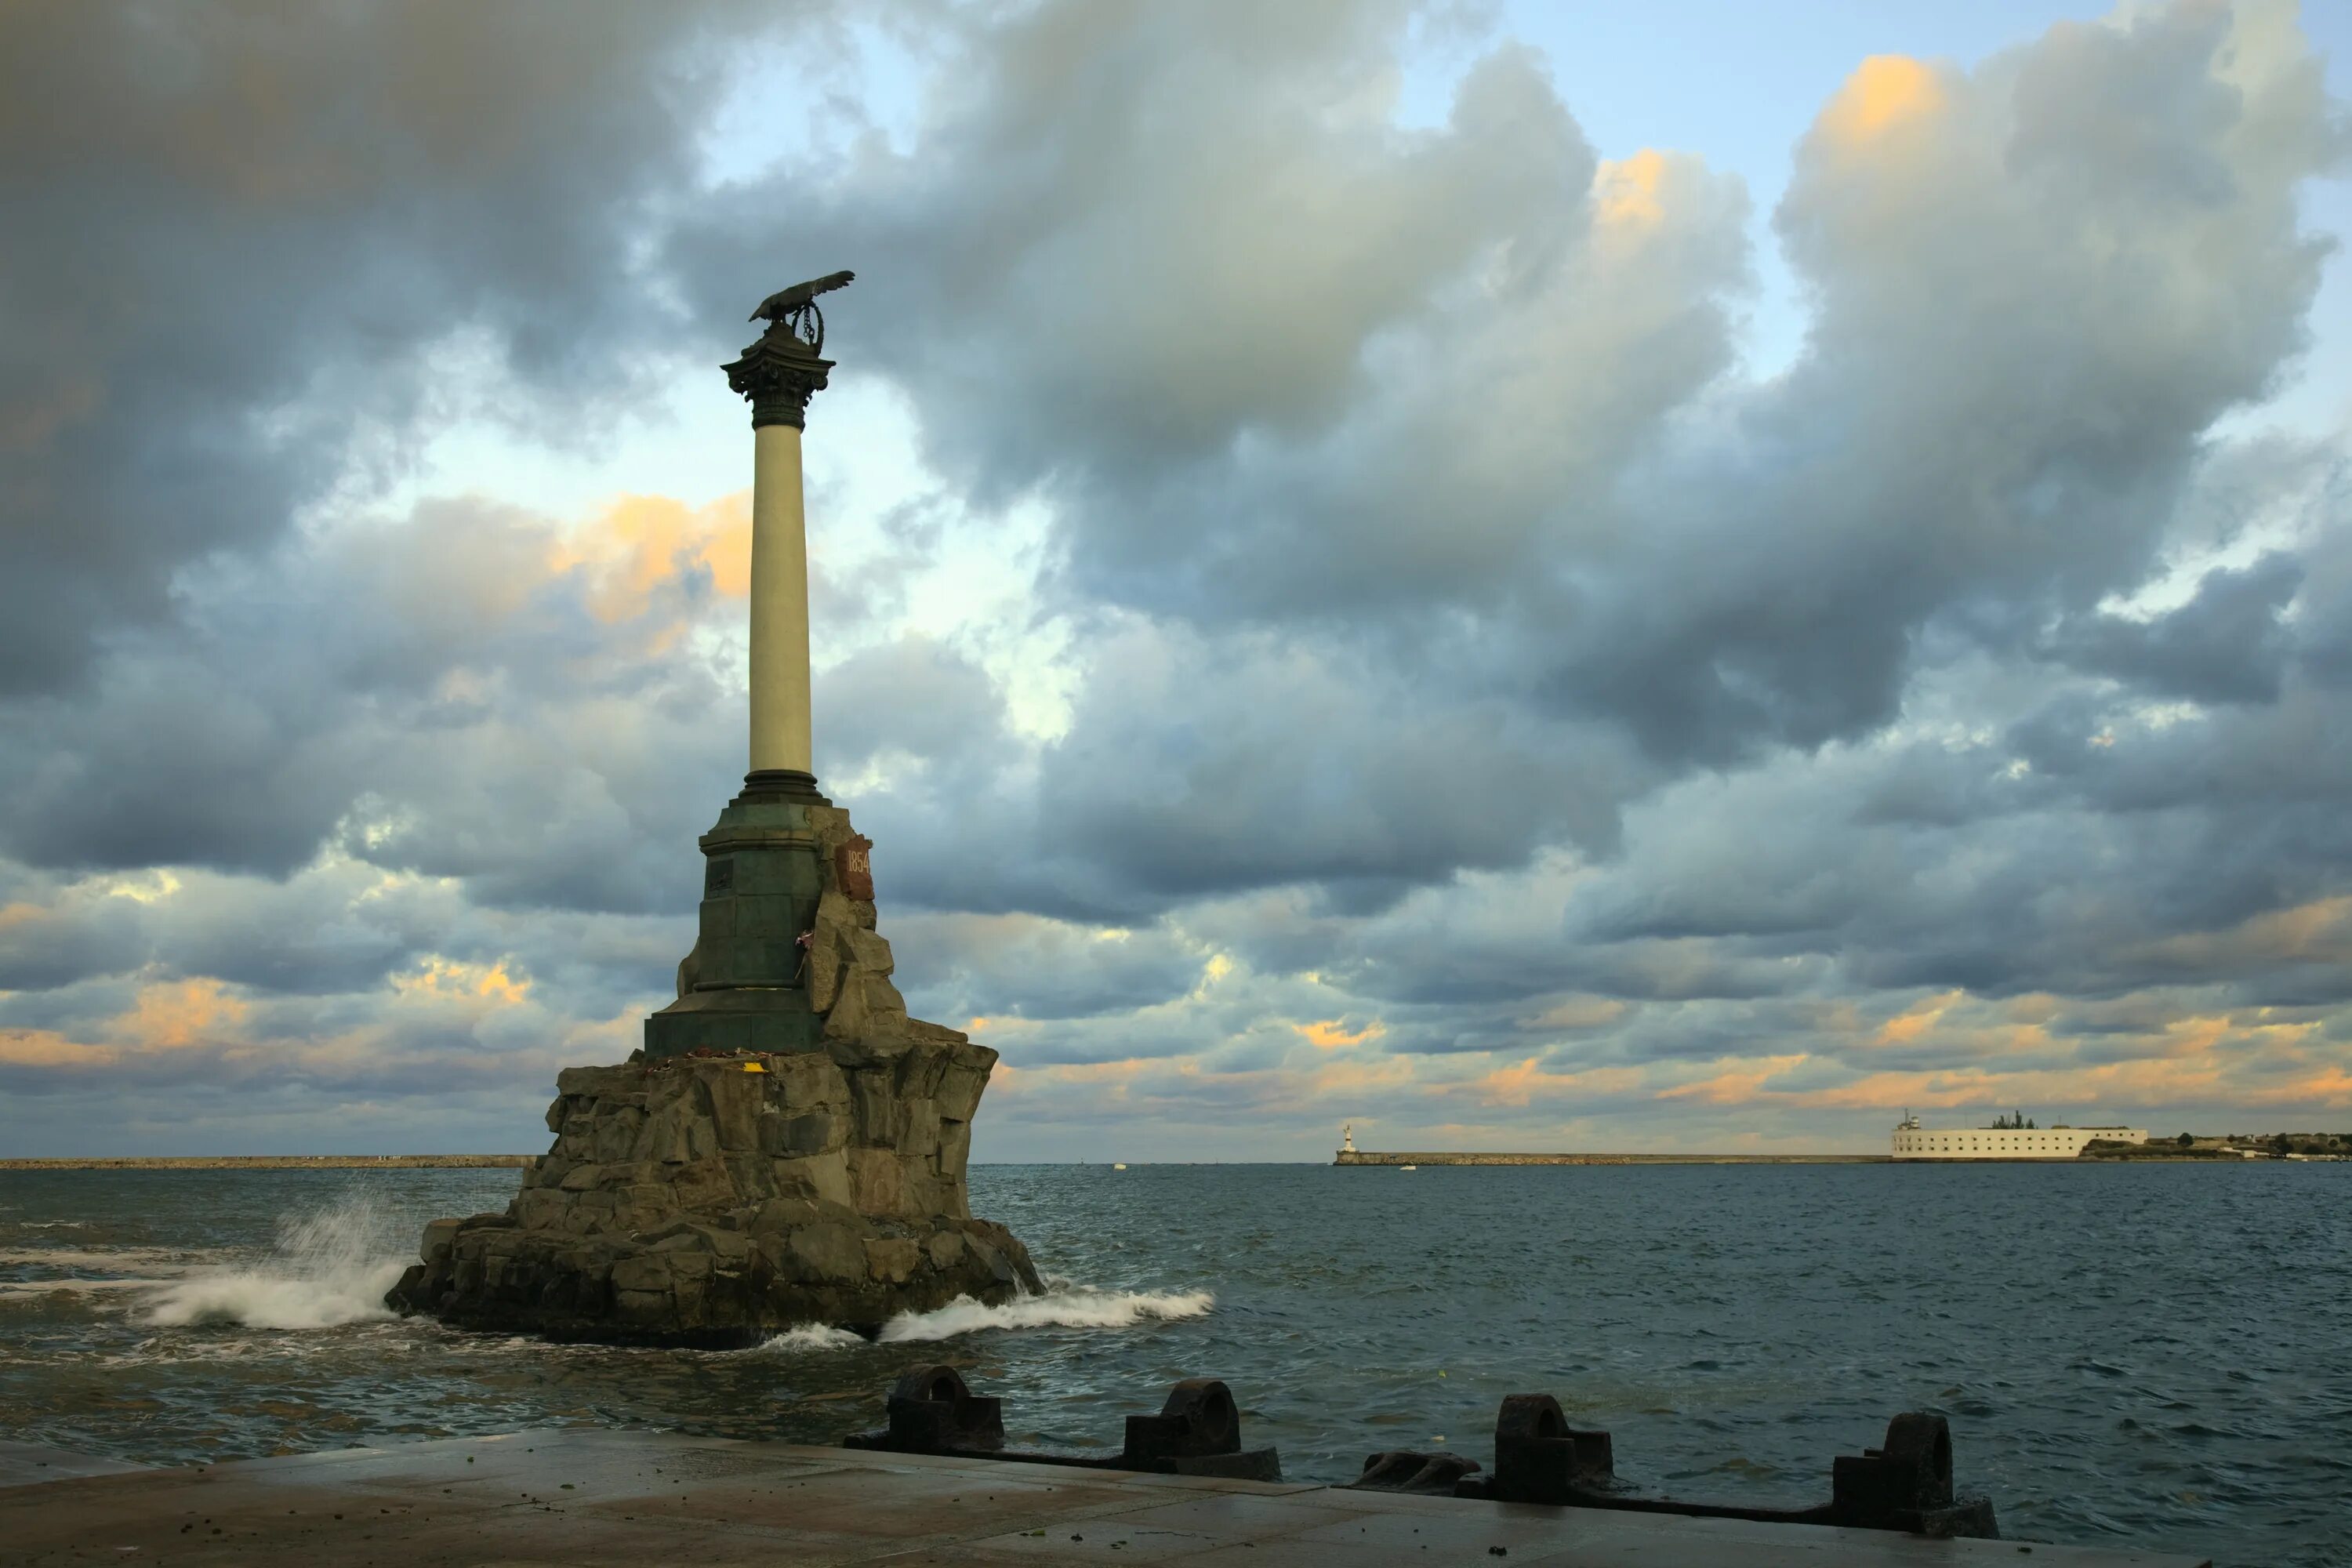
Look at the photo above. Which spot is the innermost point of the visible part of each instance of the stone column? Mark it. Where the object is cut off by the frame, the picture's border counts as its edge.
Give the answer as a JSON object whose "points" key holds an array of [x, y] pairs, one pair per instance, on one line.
{"points": [[779, 374], [780, 622], [746, 984]]}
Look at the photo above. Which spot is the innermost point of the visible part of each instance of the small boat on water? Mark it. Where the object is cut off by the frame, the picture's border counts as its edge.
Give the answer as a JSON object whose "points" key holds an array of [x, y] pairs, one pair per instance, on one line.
{"points": [[1119, 1167], [1408, 1167]]}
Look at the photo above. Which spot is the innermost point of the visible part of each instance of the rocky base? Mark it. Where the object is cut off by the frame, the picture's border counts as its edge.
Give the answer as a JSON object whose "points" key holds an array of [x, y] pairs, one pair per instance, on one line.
{"points": [[714, 1201]]}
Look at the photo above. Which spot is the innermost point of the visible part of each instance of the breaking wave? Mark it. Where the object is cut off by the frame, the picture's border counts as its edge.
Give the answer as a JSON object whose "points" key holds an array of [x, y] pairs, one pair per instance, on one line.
{"points": [[330, 1266], [1061, 1308], [814, 1337]]}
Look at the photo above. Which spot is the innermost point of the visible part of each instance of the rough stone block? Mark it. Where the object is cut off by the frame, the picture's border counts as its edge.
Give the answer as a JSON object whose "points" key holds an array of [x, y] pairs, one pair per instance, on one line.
{"points": [[438, 1238], [705, 1186], [938, 1034], [736, 1098], [645, 1271], [824, 974], [582, 1178], [955, 1147], [678, 1137], [816, 1132], [892, 1260], [646, 1308], [594, 1083], [884, 1006], [959, 1091], [868, 952], [846, 1018], [875, 1181], [824, 1177], [946, 1248], [778, 1215], [810, 1079], [538, 1208], [823, 1253], [614, 1141], [879, 1117], [919, 1191], [919, 1127]]}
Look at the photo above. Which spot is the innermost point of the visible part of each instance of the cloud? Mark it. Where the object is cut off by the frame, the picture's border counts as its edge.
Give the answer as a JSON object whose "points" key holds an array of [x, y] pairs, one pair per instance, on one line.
{"points": [[241, 236], [1314, 612]]}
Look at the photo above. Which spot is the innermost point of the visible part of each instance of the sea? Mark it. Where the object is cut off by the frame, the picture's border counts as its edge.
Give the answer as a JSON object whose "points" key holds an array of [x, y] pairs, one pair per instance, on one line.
{"points": [[2158, 1356]]}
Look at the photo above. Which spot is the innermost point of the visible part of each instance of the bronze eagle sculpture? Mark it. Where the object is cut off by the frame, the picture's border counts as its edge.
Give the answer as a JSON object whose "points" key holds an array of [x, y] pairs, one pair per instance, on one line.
{"points": [[783, 302]]}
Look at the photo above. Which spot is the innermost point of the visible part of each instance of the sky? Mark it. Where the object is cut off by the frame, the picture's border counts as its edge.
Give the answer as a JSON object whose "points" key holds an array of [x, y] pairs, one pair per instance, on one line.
{"points": [[1516, 576]]}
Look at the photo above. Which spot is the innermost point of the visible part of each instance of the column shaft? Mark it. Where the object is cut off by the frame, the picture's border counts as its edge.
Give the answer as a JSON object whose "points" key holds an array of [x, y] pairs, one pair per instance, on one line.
{"points": [[780, 625]]}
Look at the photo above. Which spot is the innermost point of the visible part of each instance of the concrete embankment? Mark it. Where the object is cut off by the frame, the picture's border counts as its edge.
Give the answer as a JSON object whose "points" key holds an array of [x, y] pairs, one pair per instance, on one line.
{"points": [[1373, 1157], [277, 1162], [559, 1499]]}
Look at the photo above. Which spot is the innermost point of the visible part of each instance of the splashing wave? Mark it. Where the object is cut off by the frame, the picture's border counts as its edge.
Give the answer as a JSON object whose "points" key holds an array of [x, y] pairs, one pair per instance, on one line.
{"points": [[330, 1268]]}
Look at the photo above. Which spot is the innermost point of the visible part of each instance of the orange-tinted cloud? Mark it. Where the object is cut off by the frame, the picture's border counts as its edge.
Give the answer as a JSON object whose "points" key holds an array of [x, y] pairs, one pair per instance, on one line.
{"points": [[1915, 1020], [1737, 1086], [1330, 1033], [2320, 931], [1885, 95], [173, 1014], [1629, 192], [640, 544], [444, 977]]}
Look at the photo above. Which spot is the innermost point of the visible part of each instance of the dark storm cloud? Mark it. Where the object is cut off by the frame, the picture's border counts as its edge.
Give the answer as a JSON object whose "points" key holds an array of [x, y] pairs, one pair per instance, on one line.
{"points": [[432, 697], [2226, 644], [967, 966], [236, 230]]}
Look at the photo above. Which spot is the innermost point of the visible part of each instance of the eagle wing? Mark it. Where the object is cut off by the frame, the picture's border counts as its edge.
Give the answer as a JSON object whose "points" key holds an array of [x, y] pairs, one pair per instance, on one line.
{"points": [[773, 307]]}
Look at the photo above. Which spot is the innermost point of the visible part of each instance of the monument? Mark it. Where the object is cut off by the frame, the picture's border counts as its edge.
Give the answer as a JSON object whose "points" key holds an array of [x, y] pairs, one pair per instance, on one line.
{"points": [[789, 1146]]}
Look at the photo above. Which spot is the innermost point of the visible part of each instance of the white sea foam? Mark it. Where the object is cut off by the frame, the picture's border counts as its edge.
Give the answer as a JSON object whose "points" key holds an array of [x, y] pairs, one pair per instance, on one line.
{"points": [[814, 1337], [100, 1257], [15, 1288], [330, 1268], [1064, 1306]]}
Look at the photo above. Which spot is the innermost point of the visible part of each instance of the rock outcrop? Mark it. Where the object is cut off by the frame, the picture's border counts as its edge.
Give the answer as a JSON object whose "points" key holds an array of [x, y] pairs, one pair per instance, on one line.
{"points": [[811, 1169]]}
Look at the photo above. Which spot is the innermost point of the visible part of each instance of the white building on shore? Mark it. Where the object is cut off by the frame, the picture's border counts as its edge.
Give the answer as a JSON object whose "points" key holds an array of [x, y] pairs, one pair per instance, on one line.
{"points": [[2003, 1142]]}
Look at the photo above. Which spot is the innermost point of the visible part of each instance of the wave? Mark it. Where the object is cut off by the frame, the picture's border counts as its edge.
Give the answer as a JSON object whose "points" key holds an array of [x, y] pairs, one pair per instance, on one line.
{"points": [[1065, 1308], [101, 1257], [27, 1288], [330, 1268], [814, 1337]]}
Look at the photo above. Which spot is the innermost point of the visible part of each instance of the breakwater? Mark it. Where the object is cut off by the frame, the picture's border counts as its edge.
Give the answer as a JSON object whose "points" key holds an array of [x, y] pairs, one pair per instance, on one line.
{"points": [[277, 1162], [1376, 1157]]}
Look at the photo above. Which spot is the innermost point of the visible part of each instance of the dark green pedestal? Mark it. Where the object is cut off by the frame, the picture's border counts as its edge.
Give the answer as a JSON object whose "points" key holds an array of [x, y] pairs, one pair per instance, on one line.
{"points": [[745, 987]]}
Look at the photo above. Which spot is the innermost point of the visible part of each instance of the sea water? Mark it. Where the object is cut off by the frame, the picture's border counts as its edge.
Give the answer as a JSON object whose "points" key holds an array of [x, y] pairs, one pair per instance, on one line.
{"points": [[2159, 1356]]}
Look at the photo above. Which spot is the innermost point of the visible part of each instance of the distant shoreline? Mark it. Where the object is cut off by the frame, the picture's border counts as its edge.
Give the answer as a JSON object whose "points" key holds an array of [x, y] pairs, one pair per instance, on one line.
{"points": [[1373, 1157], [277, 1162]]}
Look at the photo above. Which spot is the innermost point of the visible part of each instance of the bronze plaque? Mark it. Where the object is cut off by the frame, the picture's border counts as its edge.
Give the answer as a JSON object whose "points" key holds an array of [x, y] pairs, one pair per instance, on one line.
{"points": [[853, 869]]}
